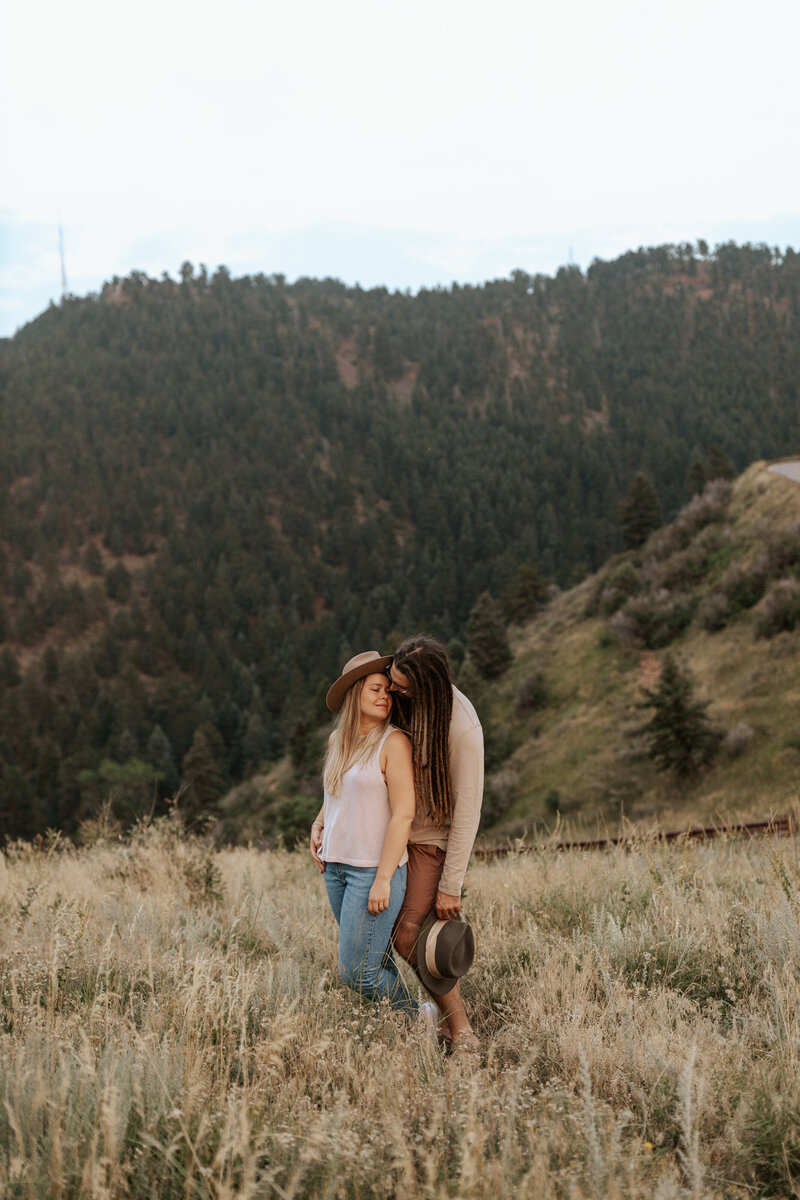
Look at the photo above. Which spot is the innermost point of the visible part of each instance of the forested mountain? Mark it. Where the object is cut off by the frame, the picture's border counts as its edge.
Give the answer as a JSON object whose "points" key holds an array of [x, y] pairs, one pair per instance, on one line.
{"points": [[697, 628], [213, 491]]}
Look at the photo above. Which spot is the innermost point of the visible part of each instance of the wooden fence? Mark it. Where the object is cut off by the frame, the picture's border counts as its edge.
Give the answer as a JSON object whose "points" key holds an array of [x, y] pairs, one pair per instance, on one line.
{"points": [[777, 826]]}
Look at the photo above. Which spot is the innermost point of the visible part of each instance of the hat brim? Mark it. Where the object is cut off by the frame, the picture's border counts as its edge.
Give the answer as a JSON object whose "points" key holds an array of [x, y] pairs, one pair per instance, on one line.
{"points": [[440, 987], [338, 690]]}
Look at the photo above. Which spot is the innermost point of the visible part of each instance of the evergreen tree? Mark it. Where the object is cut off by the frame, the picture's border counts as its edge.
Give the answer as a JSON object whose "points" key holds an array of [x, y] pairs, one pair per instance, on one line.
{"points": [[93, 559], [718, 465], [256, 743], [679, 736], [524, 594], [118, 582], [456, 652], [695, 478], [17, 804], [50, 665], [487, 643], [125, 746], [132, 784], [9, 668], [202, 784], [159, 755], [639, 512]]}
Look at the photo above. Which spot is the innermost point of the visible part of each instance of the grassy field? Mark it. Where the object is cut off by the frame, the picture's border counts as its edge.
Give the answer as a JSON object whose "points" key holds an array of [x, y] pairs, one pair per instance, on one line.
{"points": [[173, 1026]]}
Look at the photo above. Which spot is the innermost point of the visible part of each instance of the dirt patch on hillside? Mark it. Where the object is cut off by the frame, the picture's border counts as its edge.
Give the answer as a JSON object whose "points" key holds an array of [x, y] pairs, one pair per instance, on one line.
{"points": [[346, 364], [403, 388], [649, 670]]}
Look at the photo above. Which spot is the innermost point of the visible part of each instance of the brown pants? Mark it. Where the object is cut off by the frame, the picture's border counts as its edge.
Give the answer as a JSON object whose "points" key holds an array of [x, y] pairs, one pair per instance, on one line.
{"points": [[425, 866]]}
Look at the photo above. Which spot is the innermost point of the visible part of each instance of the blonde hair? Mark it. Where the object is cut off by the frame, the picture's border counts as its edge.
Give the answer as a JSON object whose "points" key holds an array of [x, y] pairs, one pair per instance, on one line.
{"points": [[347, 747]]}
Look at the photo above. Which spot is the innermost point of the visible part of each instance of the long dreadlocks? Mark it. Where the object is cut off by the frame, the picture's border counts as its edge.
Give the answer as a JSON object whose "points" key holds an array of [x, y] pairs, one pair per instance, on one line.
{"points": [[425, 716]]}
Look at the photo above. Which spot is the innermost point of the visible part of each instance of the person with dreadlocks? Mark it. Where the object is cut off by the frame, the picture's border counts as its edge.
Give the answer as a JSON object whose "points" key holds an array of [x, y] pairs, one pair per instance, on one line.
{"points": [[447, 759]]}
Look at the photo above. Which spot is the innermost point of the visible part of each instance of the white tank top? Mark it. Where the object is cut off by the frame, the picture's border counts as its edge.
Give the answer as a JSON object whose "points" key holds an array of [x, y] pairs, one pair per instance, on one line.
{"points": [[357, 819]]}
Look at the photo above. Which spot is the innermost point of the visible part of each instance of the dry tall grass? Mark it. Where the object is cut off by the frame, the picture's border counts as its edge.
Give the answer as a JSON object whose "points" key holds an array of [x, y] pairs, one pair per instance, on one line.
{"points": [[172, 1026]]}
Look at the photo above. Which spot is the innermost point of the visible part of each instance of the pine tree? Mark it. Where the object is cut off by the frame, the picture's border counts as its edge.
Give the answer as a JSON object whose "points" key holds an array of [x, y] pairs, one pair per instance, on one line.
{"points": [[639, 512], [255, 742], [131, 786], [487, 643], [695, 478], [202, 783], [93, 559], [679, 736], [718, 465], [9, 668], [50, 665], [159, 755], [118, 583], [524, 594]]}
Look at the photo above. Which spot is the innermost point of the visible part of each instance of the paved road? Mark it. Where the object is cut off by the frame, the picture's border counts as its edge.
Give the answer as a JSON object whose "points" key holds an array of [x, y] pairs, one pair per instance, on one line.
{"points": [[790, 469]]}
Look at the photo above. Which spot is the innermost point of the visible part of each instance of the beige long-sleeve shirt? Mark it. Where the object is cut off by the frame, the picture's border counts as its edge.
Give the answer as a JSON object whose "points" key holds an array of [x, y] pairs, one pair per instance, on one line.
{"points": [[456, 837]]}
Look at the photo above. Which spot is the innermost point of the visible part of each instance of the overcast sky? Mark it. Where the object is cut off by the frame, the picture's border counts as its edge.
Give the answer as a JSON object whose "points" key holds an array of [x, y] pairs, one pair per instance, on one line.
{"points": [[405, 144]]}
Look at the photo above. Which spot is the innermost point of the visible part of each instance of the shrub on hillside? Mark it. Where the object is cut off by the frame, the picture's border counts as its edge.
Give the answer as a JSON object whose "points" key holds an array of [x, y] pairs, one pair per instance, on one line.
{"points": [[612, 600], [667, 541], [592, 606], [620, 584], [713, 612], [710, 505], [738, 739], [621, 581], [682, 570], [783, 549], [501, 792], [779, 611], [531, 694], [552, 802], [743, 586], [652, 621], [290, 819]]}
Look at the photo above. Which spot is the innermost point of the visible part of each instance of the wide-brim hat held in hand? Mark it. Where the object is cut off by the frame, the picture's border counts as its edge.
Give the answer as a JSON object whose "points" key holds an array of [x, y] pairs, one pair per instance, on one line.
{"points": [[368, 663], [445, 952]]}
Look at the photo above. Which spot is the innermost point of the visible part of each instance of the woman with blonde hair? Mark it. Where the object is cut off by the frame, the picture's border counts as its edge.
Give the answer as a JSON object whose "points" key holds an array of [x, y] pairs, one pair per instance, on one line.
{"points": [[359, 837]]}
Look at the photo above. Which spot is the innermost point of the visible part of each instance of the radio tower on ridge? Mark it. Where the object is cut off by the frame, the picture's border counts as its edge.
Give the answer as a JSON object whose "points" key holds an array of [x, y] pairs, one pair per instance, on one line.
{"points": [[61, 255]]}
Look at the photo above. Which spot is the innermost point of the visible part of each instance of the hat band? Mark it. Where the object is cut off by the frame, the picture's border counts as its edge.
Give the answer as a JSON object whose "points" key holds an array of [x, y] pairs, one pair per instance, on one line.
{"points": [[430, 948]]}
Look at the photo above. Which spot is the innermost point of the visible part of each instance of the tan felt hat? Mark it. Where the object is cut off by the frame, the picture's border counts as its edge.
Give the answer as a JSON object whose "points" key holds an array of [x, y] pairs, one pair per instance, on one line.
{"points": [[368, 663]]}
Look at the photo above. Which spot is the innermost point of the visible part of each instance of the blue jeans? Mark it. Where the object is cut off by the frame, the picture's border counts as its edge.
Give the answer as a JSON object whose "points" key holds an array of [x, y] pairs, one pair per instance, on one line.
{"points": [[365, 961]]}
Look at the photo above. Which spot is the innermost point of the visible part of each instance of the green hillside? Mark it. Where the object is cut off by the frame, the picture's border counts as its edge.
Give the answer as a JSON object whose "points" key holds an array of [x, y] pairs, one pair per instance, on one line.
{"points": [[719, 590], [730, 573], [213, 491]]}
